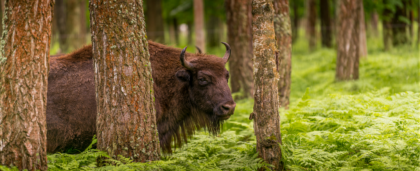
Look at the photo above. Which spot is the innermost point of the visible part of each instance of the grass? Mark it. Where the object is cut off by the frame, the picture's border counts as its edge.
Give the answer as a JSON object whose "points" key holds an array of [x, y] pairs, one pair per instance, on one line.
{"points": [[369, 124]]}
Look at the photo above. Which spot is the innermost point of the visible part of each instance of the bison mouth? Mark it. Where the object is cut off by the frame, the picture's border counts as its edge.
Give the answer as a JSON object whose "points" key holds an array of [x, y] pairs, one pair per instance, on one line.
{"points": [[224, 117]]}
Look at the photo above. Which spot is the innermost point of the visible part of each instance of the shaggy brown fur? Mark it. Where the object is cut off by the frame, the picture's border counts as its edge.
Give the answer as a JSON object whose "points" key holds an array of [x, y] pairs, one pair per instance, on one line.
{"points": [[185, 99]]}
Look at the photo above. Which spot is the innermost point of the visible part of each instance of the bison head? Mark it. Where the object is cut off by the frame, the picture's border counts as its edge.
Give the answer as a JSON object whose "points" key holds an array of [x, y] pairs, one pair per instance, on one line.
{"points": [[208, 89]]}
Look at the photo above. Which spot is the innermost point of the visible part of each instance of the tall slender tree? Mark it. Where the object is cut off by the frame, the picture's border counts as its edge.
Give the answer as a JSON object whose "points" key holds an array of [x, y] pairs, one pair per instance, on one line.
{"points": [[1, 14], [239, 18], [326, 25], [374, 18], [387, 25], [82, 20], [126, 120], [199, 25], [348, 52], [399, 27], [24, 79], [266, 77], [154, 21], [311, 23], [362, 33], [283, 30]]}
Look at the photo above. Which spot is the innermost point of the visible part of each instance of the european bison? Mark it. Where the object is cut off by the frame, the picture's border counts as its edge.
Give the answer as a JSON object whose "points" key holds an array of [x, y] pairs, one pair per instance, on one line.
{"points": [[191, 92]]}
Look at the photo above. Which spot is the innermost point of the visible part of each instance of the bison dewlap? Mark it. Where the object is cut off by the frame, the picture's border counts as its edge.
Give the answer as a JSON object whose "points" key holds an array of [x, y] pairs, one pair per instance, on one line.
{"points": [[191, 92]]}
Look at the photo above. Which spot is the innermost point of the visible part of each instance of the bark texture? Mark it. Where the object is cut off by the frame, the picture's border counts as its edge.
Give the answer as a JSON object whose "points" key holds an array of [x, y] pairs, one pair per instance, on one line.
{"points": [[154, 21], [126, 120], [362, 33], [311, 23], [348, 52], [283, 32], [326, 25], [239, 20], [199, 25], [23, 94], [266, 114]]}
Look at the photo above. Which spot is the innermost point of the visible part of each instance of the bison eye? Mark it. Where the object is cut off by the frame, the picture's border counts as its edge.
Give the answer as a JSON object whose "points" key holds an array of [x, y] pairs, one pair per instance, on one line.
{"points": [[202, 81]]}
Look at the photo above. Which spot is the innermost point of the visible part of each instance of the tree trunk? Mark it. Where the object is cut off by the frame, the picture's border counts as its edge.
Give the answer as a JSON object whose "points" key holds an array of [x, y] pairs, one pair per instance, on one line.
{"points": [[326, 25], [23, 94], [1, 15], [213, 31], [240, 40], [399, 28], [172, 38], [176, 31], [199, 25], [362, 33], [311, 23], [374, 18], [348, 52], [266, 105], [295, 23], [283, 31], [154, 21], [83, 29], [72, 26], [126, 120], [190, 31], [387, 27], [60, 19]]}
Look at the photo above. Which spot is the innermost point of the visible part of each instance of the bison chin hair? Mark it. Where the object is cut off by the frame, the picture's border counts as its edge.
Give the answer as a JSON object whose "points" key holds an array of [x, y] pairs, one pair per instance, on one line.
{"points": [[196, 120]]}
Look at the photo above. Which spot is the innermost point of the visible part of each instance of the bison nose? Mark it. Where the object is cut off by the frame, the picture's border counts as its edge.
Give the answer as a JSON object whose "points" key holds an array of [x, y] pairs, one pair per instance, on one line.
{"points": [[228, 108]]}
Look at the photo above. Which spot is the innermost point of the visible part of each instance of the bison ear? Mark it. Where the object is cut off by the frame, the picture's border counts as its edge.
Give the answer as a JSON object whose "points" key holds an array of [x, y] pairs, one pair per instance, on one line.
{"points": [[183, 75]]}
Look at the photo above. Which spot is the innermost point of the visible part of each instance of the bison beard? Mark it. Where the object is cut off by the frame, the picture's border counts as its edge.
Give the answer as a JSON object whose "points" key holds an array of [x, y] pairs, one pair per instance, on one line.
{"points": [[191, 92]]}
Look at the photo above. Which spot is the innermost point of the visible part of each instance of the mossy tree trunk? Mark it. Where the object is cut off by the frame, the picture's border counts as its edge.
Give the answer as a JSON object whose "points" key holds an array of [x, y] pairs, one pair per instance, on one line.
{"points": [[283, 32], [199, 25], [154, 21], [266, 105], [326, 24], [362, 33], [239, 18], [126, 120], [311, 23], [348, 52], [24, 79]]}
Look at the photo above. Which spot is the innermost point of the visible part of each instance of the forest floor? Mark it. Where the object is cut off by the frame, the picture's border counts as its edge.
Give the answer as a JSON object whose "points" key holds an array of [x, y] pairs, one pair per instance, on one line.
{"points": [[369, 124]]}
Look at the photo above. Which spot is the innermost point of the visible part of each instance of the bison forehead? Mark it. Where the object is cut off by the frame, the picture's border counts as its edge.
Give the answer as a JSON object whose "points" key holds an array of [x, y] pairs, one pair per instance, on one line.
{"points": [[209, 62]]}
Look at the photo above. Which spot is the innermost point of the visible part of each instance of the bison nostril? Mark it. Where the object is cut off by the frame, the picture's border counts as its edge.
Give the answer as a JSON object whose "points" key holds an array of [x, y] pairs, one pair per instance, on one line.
{"points": [[225, 107]]}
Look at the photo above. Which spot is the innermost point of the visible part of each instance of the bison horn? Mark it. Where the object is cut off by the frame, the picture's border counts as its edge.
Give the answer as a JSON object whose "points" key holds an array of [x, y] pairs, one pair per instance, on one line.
{"points": [[199, 50], [227, 54], [185, 63]]}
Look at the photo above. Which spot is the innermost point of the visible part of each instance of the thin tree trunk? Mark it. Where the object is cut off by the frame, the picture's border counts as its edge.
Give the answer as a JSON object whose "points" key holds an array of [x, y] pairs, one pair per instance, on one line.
{"points": [[154, 21], [190, 31], [82, 7], [348, 44], [239, 38], [24, 80], [199, 25], [1, 15], [399, 28], [176, 31], [387, 27], [326, 25], [266, 77], [311, 23], [283, 31], [126, 120], [295, 23], [172, 38], [213, 31], [362, 33], [374, 18], [410, 14], [60, 18]]}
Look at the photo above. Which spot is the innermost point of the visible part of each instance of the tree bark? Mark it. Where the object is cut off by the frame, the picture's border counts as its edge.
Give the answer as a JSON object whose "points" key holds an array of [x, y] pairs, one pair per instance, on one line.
{"points": [[266, 77], [326, 25], [190, 31], [154, 21], [24, 80], [348, 44], [399, 28], [126, 120], [199, 25], [362, 33], [311, 23], [83, 29], [283, 32], [240, 39], [1, 15], [387, 27]]}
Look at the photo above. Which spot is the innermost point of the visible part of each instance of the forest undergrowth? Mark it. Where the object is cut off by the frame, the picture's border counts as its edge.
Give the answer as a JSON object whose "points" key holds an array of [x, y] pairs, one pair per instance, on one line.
{"points": [[369, 124]]}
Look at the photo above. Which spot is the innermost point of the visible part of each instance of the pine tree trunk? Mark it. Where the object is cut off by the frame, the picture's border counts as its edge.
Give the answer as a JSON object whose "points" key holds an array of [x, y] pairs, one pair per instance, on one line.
{"points": [[311, 23], [24, 80], [213, 31], [83, 29], [283, 31], [348, 52], [399, 28], [240, 40], [154, 21], [362, 33], [126, 120], [172, 38], [72, 26], [266, 114], [326, 25], [199, 25], [387, 27]]}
